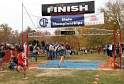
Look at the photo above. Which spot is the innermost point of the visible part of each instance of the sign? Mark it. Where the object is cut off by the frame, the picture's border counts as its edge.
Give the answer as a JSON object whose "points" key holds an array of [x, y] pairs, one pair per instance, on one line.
{"points": [[68, 8], [94, 19], [67, 32], [70, 20]]}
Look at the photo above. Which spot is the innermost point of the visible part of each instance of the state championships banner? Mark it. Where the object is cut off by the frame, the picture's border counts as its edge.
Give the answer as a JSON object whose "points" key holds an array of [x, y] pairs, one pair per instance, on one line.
{"points": [[70, 20]]}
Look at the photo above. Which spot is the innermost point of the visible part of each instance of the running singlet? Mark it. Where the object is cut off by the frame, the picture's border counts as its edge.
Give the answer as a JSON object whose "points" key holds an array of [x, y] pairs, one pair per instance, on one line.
{"points": [[62, 51], [21, 60]]}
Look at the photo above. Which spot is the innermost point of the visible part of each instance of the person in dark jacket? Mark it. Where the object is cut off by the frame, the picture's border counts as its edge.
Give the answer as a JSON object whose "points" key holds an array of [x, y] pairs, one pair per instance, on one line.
{"points": [[31, 52], [68, 50], [2, 53], [36, 42], [43, 46], [13, 63], [47, 49]]}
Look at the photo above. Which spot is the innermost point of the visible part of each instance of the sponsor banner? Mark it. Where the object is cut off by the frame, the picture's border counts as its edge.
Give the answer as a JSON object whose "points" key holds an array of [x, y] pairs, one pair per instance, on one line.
{"points": [[68, 8], [70, 20], [93, 19], [44, 22]]}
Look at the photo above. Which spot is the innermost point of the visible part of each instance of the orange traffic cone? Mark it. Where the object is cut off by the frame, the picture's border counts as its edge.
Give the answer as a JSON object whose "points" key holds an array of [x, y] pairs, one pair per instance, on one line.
{"points": [[109, 66], [96, 79], [104, 66], [111, 60], [1, 74], [97, 75], [98, 65], [32, 65], [95, 82]]}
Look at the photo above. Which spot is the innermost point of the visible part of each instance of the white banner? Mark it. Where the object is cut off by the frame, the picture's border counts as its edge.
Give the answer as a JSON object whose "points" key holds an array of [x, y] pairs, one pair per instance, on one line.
{"points": [[93, 19]]}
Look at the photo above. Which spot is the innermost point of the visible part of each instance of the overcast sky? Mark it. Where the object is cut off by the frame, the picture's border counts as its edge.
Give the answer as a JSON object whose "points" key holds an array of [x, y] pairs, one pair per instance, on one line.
{"points": [[11, 11]]}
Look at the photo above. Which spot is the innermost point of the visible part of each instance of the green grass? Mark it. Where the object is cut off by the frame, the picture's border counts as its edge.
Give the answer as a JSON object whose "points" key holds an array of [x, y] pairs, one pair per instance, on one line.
{"points": [[65, 76]]}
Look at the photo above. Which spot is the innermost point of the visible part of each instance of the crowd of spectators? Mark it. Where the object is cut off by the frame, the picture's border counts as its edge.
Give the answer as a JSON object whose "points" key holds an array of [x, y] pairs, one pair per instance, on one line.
{"points": [[8, 46]]}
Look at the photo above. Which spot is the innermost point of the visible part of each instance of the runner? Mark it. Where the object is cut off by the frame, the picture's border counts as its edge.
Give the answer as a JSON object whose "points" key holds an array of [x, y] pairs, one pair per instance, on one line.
{"points": [[62, 54], [21, 61]]}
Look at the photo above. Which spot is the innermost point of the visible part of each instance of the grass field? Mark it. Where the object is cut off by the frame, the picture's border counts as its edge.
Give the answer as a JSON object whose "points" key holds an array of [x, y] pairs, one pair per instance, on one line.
{"points": [[65, 76]]}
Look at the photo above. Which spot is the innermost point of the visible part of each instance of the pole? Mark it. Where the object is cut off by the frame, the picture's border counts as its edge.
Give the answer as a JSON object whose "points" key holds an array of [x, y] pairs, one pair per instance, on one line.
{"points": [[27, 48], [114, 33], [22, 17], [120, 49], [22, 39], [22, 27]]}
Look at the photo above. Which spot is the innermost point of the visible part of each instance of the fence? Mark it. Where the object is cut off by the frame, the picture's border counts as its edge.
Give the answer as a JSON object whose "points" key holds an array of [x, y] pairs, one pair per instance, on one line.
{"points": [[7, 57], [8, 53]]}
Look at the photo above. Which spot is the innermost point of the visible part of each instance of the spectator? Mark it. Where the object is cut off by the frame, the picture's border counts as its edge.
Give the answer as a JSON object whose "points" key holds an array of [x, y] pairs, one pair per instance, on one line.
{"points": [[43, 46], [122, 48], [36, 42], [110, 50], [2, 53], [91, 50], [98, 50], [68, 50], [13, 63], [104, 50], [108, 53], [47, 50], [31, 52], [51, 48], [35, 51], [56, 50]]}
